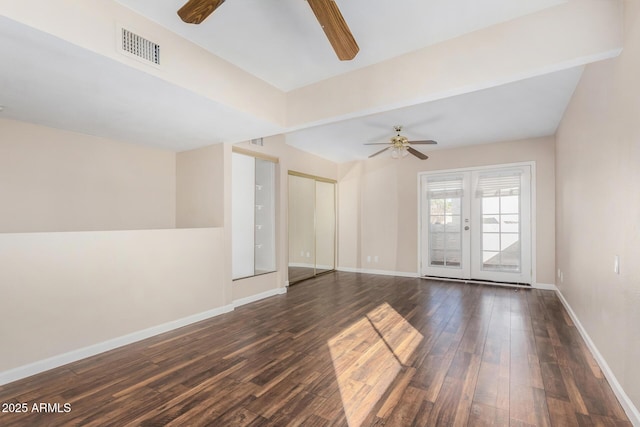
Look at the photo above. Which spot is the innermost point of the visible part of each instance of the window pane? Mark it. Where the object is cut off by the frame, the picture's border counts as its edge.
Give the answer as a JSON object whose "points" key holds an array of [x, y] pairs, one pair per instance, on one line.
{"points": [[510, 204], [491, 223], [490, 257], [437, 223], [490, 205], [452, 241], [437, 241], [437, 206], [490, 241], [510, 223], [436, 257], [453, 258], [507, 240], [510, 256], [452, 223], [453, 206]]}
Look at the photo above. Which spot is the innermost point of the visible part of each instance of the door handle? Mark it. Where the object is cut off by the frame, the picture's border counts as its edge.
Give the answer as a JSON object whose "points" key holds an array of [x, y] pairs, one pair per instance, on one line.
{"points": [[466, 227]]}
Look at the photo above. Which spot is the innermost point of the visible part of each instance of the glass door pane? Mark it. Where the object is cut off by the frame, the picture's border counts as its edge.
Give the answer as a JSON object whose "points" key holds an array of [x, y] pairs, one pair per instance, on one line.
{"points": [[502, 225], [444, 221], [476, 224], [325, 226], [302, 244]]}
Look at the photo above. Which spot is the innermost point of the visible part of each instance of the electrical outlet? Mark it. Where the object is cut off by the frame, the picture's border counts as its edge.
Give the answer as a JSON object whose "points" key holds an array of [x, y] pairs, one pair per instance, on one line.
{"points": [[559, 272], [561, 277], [616, 264], [376, 259], [368, 258], [308, 254]]}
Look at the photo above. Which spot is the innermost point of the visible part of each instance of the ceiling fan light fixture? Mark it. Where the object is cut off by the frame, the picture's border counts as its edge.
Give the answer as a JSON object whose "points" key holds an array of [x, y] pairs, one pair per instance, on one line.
{"points": [[400, 146], [399, 152]]}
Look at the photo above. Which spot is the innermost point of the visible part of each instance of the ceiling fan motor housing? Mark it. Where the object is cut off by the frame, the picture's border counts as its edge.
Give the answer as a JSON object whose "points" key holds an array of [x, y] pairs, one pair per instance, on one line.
{"points": [[399, 141]]}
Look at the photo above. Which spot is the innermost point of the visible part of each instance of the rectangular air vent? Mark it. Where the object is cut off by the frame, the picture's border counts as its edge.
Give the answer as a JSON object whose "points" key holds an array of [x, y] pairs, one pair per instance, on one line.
{"points": [[140, 47]]}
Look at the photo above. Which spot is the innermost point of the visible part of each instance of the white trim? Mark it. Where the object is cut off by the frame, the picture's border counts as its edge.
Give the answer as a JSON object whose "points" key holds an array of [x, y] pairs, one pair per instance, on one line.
{"points": [[533, 220], [301, 264], [92, 350], [314, 266], [378, 272], [258, 297], [475, 282], [628, 406], [545, 286]]}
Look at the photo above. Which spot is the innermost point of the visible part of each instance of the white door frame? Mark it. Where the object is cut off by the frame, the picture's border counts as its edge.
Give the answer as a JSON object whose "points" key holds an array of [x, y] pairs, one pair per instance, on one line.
{"points": [[533, 206]]}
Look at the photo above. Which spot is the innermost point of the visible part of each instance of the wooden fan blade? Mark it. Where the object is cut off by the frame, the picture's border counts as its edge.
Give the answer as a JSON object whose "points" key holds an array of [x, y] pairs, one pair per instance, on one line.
{"points": [[196, 11], [335, 28], [417, 153], [376, 143], [426, 141], [379, 152]]}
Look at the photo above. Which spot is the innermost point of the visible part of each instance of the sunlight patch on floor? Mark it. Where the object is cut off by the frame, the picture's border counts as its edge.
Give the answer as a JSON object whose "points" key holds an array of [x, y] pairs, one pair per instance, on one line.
{"points": [[368, 355]]}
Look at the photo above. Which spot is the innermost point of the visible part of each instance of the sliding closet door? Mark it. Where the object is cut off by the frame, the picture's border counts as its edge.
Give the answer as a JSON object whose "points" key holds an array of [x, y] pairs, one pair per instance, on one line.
{"points": [[312, 226], [302, 246], [325, 226]]}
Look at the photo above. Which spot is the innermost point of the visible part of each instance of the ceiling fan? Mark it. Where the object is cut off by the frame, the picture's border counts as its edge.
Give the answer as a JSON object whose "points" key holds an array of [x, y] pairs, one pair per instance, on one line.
{"points": [[401, 146], [326, 11]]}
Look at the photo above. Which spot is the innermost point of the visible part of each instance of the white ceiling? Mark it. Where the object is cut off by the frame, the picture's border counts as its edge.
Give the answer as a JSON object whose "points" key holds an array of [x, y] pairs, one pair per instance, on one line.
{"points": [[281, 42], [49, 81], [525, 109]]}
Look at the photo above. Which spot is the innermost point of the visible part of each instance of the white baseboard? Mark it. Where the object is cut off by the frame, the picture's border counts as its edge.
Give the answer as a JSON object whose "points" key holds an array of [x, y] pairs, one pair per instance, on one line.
{"points": [[628, 406], [92, 350], [314, 266], [82, 353], [545, 286], [258, 297], [379, 272], [302, 264]]}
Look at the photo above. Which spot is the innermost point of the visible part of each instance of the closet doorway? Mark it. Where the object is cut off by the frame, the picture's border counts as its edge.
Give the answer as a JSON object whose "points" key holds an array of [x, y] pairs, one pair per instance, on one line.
{"points": [[312, 226]]}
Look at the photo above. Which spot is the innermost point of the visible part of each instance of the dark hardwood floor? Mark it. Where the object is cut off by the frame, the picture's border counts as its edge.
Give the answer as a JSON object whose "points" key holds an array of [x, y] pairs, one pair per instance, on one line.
{"points": [[344, 349]]}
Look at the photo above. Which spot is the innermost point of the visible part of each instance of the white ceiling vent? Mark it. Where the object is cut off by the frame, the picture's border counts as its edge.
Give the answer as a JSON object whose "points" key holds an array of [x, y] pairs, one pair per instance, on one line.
{"points": [[140, 47]]}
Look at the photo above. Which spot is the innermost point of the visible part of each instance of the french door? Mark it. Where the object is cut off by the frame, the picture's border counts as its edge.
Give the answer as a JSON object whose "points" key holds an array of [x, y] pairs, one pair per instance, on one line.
{"points": [[476, 224]]}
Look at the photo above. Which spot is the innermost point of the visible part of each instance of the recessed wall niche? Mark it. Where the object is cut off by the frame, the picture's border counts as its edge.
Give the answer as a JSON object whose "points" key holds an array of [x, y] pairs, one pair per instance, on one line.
{"points": [[253, 215]]}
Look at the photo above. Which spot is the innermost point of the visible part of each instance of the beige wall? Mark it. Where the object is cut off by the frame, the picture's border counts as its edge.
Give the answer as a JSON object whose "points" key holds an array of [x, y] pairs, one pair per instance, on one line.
{"points": [[598, 206], [55, 180], [65, 291], [92, 25], [575, 32], [200, 187], [378, 203]]}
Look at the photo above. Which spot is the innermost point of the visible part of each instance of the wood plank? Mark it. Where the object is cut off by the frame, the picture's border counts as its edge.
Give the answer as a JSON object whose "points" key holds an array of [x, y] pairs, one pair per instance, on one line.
{"points": [[488, 416], [345, 349]]}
